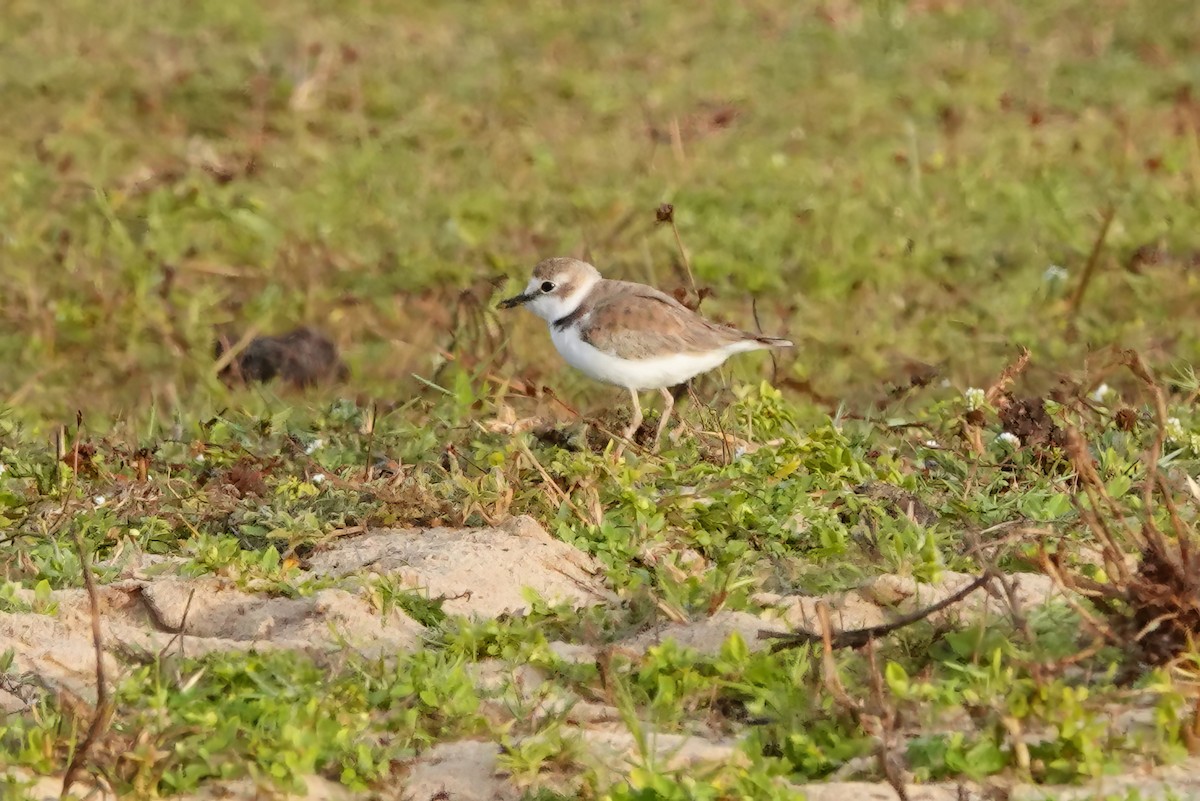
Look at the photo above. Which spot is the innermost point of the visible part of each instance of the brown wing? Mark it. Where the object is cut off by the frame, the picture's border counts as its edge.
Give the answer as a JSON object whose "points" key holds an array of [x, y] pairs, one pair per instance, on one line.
{"points": [[632, 321]]}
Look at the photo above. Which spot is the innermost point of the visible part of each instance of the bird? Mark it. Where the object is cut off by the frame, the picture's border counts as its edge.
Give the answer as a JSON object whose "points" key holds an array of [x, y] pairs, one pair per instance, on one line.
{"points": [[629, 334]]}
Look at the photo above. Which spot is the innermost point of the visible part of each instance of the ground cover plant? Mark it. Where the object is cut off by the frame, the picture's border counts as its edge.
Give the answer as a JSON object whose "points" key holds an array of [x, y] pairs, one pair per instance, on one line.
{"points": [[977, 222]]}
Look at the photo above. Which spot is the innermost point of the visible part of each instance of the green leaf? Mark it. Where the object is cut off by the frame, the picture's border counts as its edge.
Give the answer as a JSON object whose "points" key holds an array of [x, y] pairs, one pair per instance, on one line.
{"points": [[984, 759], [270, 559], [735, 649], [897, 679], [42, 593]]}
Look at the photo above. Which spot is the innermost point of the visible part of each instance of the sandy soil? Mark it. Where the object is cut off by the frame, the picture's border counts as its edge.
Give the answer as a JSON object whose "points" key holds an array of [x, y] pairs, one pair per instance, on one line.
{"points": [[152, 608]]}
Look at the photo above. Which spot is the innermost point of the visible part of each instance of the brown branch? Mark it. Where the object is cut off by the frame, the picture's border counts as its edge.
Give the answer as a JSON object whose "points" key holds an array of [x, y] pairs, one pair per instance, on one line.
{"points": [[178, 634], [857, 638], [1093, 259], [103, 711]]}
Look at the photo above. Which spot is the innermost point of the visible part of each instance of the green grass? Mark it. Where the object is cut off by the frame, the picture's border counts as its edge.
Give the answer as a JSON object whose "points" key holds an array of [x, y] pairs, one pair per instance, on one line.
{"points": [[792, 517], [891, 185]]}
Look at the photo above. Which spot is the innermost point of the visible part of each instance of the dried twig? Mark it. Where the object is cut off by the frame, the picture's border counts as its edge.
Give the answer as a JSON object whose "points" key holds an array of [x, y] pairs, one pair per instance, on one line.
{"points": [[178, 634], [367, 471], [666, 214], [828, 667], [103, 710], [997, 397], [1133, 361], [1009, 374], [1093, 259], [552, 486], [888, 753], [1098, 496], [231, 353], [857, 638], [770, 351]]}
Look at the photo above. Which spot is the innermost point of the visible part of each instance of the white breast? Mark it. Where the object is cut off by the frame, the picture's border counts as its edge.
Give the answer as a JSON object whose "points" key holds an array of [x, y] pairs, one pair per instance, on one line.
{"points": [[639, 374]]}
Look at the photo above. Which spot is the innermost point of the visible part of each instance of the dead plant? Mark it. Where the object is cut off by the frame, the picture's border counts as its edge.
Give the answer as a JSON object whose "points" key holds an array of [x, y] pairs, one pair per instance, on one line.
{"points": [[1149, 603]]}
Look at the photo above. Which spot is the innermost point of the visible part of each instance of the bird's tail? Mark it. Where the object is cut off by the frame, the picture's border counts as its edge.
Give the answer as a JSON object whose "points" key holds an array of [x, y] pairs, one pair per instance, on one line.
{"points": [[773, 342]]}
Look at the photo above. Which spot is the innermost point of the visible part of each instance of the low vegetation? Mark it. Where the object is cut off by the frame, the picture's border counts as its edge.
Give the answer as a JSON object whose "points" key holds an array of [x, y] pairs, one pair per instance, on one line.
{"points": [[977, 221]]}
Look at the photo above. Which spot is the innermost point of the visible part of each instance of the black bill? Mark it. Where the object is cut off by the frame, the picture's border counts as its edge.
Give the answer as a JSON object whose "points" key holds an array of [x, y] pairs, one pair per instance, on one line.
{"points": [[516, 300]]}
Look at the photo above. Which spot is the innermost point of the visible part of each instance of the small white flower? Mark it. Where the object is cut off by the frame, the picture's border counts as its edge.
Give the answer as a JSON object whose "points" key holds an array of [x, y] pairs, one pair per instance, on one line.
{"points": [[1174, 430], [932, 443], [1101, 393], [1010, 439], [318, 478], [99, 500], [976, 397], [3, 467], [1054, 273], [315, 446], [200, 457]]}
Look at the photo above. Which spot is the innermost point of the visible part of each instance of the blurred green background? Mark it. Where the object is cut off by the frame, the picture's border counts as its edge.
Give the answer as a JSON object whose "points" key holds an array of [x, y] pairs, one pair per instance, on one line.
{"points": [[894, 183]]}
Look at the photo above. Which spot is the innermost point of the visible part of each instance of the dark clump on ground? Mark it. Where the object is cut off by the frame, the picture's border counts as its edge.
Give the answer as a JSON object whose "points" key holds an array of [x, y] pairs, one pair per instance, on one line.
{"points": [[609, 424], [1163, 601], [1157, 254], [1028, 420], [302, 358]]}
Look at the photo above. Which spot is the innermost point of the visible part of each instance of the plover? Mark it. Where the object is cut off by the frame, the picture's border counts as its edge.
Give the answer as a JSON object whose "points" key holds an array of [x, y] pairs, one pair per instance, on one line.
{"points": [[629, 334]]}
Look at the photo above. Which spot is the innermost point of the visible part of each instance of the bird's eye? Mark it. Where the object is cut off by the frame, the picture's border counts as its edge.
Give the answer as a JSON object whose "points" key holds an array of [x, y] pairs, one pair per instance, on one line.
{"points": [[547, 286]]}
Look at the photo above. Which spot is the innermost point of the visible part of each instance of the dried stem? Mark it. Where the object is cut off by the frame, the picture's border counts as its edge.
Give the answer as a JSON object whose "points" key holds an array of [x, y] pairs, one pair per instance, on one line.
{"points": [[1138, 367], [1093, 259], [666, 213], [857, 638], [103, 710], [555, 490], [1007, 376], [828, 667], [231, 353], [887, 753], [367, 468], [179, 634]]}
